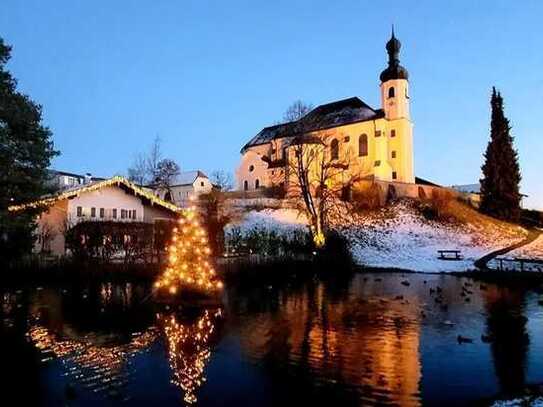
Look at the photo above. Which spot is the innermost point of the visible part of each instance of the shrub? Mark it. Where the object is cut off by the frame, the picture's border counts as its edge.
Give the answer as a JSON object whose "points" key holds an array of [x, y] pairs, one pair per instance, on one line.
{"points": [[366, 198]]}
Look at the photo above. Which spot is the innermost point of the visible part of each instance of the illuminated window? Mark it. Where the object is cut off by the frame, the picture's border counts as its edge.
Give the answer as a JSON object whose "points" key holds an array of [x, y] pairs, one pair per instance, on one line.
{"points": [[334, 149], [363, 145], [391, 92]]}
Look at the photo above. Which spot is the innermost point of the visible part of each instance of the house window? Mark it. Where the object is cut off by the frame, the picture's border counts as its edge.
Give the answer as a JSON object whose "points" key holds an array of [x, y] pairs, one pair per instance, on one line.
{"points": [[93, 212], [79, 211], [257, 183], [251, 168], [377, 163], [363, 145], [202, 183], [102, 212], [346, 139], [133, 214], [245, 185], [391, 92], [394, 154], [377, 133], [123, 213], [334, 149], [393, 133], [394, 175], [114, 213]]}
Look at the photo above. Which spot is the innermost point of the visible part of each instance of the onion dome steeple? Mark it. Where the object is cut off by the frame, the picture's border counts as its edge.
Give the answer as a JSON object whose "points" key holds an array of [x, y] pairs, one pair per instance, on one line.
{"points": [[394, 69]]}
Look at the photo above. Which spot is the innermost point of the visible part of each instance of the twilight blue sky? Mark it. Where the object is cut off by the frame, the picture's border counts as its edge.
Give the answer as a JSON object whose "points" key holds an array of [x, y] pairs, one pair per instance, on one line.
{"points": [[206, 76]]}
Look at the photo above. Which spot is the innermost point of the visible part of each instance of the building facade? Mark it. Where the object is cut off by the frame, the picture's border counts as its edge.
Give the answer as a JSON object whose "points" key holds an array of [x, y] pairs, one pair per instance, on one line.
{"points": [[115, 199], [370, 143], [189, 185]]}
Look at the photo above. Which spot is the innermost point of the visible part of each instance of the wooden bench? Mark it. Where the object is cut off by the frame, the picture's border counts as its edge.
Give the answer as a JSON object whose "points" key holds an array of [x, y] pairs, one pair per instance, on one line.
{"points": [[450, 255]]}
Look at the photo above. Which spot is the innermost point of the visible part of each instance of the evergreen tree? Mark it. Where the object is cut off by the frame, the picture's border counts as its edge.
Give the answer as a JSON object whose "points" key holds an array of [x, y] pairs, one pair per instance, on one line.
{"points": [[500, 195], [26, 150], [189, 258]]}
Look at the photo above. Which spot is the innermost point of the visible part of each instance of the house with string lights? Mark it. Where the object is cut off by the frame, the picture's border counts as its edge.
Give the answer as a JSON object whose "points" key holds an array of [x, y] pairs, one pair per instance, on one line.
{"points": [[111, 200]]}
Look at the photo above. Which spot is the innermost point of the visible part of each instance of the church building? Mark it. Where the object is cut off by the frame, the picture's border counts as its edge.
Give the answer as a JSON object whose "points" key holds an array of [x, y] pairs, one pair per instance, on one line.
{"points": [[376, 144]]}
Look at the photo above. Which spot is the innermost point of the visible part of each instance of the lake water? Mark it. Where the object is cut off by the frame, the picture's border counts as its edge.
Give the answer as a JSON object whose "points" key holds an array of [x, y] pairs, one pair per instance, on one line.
{"points": [[367, 339]]}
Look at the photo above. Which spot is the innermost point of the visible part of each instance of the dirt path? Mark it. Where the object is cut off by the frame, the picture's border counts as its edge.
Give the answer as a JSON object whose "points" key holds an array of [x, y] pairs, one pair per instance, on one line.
{"points": [[533, 234]]}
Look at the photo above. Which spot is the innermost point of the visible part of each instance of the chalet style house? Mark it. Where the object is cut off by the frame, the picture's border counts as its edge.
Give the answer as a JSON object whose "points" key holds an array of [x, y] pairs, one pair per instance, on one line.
{"points": [[377, 144], [115, 199]]}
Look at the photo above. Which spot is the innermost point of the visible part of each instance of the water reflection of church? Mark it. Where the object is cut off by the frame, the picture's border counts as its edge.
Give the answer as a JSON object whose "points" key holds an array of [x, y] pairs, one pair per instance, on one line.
{"points": [[378, 352]]}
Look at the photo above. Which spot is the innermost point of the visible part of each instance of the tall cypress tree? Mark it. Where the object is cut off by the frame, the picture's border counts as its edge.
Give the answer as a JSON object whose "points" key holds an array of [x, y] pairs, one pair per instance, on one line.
{"points": [[500, 195], [26, 150]]}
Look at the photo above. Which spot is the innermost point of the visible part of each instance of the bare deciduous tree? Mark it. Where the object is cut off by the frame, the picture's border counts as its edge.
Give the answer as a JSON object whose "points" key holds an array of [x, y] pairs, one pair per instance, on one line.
{"points": [[138, 171], [145, 165], [165, 174], [315, 180], [222, 179], [316, 176], [296, 111]]}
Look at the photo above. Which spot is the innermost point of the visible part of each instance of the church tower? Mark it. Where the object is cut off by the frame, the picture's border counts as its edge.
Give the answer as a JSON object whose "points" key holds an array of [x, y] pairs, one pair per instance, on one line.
{"points": [[395, 104], [394, 84]]}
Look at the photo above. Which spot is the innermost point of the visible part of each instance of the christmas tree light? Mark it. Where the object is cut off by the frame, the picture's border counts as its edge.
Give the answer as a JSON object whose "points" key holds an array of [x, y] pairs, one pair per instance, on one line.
{"points": [[189, 265]]}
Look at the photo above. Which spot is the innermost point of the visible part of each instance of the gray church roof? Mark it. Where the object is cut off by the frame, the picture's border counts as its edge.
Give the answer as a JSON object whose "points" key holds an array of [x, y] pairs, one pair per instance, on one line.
{"points": [[339, 113]]}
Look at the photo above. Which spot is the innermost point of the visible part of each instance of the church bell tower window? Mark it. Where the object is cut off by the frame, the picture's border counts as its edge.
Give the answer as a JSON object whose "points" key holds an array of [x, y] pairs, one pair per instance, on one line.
{"points": [[391, 92]]}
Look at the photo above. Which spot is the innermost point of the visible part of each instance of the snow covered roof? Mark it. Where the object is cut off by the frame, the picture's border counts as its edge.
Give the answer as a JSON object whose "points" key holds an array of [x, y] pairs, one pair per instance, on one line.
{"points": [[339, 113], [188, 177]]}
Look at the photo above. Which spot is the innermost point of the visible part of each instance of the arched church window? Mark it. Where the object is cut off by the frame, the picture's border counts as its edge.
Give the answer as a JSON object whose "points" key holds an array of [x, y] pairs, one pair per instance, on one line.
{"points": [[257, 183], [245, 185], [391, 92], [334, 149], [363, 145]]}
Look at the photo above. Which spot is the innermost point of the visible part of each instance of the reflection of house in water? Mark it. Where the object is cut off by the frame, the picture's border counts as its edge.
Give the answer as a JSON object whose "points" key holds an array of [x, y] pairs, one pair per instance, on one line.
{"points": [[506, 326], [189, 349], [97, 366], [372, 346]]}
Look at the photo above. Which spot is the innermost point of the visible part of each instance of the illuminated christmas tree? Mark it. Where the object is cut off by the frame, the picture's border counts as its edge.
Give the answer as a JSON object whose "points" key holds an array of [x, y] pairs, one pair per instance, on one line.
{"points": [[189, 350], [189, 267]]}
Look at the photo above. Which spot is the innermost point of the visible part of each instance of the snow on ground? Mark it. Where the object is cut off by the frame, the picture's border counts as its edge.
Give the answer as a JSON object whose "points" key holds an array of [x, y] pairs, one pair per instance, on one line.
{"points": [[520, 402], [398, 236], [533, 250], [285, 222]]}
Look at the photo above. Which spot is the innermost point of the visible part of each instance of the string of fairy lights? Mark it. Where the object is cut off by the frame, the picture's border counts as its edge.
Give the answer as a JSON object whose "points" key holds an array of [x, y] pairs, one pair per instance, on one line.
{"points": [[189, 263], [117, 180]]}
